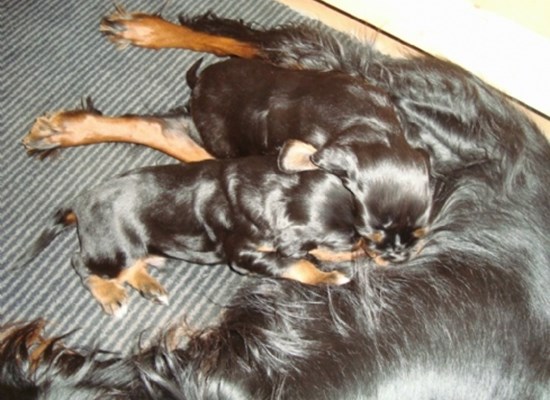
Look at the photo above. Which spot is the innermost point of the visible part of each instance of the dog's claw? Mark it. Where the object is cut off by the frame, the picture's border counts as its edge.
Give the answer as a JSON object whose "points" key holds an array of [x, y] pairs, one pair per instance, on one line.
{"points": [[339, 278], [155, 293], [119, 311], [120, 10], [163, 299]]}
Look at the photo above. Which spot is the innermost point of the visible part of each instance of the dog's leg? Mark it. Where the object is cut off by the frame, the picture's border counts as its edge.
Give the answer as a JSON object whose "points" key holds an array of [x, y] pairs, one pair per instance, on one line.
{"points": [[109, 293], [138, 278], [327, 255], [263, 259], [169, 135], [306, 272], [153, 32]]}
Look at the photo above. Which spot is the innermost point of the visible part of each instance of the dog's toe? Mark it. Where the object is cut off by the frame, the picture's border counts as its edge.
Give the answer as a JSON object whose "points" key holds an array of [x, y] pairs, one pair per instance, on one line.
{"points": [[119, 310], [154, 292], [138, 278], [42, 135], [338, 278], [111, 295]]}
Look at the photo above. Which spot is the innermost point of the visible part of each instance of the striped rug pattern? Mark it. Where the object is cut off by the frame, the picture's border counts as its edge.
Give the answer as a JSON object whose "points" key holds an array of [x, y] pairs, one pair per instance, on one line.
{"points": [[52, 55]]}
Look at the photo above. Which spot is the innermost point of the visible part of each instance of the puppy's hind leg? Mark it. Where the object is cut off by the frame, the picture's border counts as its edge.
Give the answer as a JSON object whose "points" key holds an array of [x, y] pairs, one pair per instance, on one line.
{"points": [[138, 278], [153, 32], [168, 134], [109, 293]]}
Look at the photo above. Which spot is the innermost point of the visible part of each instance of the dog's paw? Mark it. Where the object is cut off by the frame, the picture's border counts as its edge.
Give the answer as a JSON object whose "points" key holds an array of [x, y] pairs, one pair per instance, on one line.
{"points": [[336, 278], [306, 272], [111, 295], [155, 292], [139, 278], [45, 133], [132, 29]]}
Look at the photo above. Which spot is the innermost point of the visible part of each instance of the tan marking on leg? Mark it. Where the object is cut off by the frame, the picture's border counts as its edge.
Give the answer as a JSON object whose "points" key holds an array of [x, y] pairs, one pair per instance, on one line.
{"points": [[110, 294], [324, 254], [35, 344], [265, 248], [306, 272], [75, 128], [379, 260], [138, 278], [35, 357], [153, 32], [70, 218]]}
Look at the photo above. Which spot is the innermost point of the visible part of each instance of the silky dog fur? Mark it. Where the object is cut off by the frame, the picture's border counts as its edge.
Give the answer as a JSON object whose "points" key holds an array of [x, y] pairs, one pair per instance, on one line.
{"points": [[243, 212], [338, 123], [468, 318]]}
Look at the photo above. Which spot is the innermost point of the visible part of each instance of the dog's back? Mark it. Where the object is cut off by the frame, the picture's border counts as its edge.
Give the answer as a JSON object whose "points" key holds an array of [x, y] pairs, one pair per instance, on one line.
{"points": [[242, 107]]}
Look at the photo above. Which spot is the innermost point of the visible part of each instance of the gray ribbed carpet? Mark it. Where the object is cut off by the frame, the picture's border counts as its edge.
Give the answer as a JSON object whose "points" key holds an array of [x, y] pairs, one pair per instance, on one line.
{"points": [[52, 56]]}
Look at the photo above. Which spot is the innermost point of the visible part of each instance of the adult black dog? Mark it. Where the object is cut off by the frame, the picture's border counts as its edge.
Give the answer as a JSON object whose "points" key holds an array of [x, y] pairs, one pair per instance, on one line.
{"points": [[467, 318]]}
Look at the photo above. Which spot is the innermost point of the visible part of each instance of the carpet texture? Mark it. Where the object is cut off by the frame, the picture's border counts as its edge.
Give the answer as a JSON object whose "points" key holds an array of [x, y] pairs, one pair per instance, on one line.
{"points": [[52, 56]]}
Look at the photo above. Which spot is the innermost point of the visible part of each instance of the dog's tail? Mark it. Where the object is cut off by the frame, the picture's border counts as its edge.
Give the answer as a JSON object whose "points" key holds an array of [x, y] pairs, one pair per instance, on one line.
{"points": [[62, 219], [191, 77]]}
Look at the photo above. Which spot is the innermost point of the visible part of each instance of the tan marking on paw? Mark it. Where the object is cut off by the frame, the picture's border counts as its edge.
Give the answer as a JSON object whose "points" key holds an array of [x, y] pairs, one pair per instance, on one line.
{"points": [[138, 277], [110, 294], [306, 272]]}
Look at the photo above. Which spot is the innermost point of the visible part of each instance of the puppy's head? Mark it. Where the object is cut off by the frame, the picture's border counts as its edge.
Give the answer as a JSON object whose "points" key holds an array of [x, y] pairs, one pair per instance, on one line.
{"points": [[390, 185]]}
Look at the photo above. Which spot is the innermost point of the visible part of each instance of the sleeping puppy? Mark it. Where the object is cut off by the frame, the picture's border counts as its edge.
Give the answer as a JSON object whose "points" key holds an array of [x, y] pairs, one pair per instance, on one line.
{"points": [[337, 123], [243, 212], [314, 120]]}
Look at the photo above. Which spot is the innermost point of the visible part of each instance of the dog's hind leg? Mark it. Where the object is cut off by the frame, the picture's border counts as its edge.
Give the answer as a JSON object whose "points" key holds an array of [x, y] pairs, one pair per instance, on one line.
{"points": [[153, 32], [168, 134], [109, 293], [138, 278], [245, 256]]}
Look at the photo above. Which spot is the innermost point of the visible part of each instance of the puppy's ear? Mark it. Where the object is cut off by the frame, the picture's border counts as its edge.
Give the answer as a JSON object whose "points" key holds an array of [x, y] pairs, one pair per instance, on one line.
{"points": [[335, 160], [295, 155]]}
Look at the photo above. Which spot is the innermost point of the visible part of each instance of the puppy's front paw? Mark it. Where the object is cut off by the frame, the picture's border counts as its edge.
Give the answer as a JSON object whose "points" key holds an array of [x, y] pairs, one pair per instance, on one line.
{"points": [[60, 129], [306, 272], [336, 278]]}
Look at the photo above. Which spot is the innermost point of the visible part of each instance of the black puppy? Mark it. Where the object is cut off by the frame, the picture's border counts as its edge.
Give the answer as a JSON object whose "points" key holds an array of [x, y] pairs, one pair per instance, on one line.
{"points": [[243, 212], [344, 126]]}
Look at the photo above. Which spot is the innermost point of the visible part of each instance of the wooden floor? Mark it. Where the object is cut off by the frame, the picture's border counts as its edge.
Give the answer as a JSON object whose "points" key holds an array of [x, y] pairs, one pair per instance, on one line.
{"points": [[479, 35]]}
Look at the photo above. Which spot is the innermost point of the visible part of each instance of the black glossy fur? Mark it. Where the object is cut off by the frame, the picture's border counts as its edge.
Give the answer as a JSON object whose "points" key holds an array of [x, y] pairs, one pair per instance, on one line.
{"points": [[469, 318], [218, 211], [352, 125]]}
